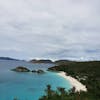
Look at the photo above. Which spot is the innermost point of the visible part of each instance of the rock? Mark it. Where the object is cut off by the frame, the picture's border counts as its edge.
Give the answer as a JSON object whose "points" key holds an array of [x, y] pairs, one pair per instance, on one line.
{"points": [[21, 69], [34, 71], [38, 71]]}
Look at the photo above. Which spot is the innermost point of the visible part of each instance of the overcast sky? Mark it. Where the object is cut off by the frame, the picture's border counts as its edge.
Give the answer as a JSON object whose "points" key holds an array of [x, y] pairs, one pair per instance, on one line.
{"points": [[56, 29]]}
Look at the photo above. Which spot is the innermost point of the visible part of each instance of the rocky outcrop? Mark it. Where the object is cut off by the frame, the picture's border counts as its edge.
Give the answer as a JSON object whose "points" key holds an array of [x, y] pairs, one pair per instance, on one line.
{"points": [[21, 69], [38, 71], [24, 69], [34, 71]]}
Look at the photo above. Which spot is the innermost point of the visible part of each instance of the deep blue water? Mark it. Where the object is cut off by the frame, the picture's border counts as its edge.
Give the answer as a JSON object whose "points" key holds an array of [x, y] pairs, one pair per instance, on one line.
{"points": [[27, 86]]}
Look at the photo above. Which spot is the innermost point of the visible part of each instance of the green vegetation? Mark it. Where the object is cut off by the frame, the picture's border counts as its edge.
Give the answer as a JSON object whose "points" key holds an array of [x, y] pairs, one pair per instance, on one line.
{"points": [[61, 94], [41, 61], [86, 72], [21, 69]]}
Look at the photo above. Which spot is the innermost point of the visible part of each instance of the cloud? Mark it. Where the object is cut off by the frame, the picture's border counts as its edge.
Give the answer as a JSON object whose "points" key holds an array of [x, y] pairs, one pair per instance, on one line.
{"points": [[57, 29]]}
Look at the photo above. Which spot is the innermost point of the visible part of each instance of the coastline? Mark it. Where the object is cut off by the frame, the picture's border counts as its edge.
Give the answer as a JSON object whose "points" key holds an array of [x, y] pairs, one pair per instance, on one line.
{"points": [[74, 82]]}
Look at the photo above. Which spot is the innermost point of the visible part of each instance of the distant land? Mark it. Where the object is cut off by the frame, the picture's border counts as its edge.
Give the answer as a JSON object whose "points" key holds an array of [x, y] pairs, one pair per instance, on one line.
{"points": [[50, 61], [41, 61], [8, 58], [58, 62]]}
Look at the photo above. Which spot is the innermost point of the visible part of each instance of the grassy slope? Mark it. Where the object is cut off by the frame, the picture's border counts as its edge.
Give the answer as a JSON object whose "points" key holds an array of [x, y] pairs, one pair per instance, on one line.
{"points": [[88, 70]]}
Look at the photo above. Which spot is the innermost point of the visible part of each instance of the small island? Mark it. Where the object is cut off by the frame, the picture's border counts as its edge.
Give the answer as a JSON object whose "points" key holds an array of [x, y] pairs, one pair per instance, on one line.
{"points": [[24, 69], [40, 61], [38, 71], [21, 69]]}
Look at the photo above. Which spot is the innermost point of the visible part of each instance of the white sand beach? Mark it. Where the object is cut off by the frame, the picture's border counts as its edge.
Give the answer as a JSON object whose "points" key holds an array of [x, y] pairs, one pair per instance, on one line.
{"points": [[74, 82]]}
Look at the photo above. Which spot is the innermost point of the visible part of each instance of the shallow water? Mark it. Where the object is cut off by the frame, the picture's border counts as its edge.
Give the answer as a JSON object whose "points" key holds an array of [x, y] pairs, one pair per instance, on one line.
{"points": [[27, 86]]}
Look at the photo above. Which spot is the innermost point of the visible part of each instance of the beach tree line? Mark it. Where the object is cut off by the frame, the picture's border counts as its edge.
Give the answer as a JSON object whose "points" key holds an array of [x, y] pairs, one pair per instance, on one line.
{"points": [[62, 94]]}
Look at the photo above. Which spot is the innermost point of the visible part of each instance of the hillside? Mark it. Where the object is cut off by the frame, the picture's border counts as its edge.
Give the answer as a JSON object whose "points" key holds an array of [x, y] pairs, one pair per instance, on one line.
{"points": [[8, 58], [41, 61], [86, 72]]}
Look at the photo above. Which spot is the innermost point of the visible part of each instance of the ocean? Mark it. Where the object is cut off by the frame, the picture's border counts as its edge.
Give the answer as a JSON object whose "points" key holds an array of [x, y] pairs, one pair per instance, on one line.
{"points": [[27, 86]]}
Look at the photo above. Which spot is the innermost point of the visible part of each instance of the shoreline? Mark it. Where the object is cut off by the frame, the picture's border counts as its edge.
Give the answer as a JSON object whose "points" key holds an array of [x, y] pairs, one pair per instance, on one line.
{"points": [[74, 82]]}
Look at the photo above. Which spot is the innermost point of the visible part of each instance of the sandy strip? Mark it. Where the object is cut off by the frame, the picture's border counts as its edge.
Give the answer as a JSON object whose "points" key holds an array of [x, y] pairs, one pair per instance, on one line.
{"points": [[74, 82]]}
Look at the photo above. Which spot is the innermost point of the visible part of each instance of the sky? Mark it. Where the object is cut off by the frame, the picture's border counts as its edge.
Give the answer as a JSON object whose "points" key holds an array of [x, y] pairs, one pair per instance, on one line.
{"points": [[50, 29]]}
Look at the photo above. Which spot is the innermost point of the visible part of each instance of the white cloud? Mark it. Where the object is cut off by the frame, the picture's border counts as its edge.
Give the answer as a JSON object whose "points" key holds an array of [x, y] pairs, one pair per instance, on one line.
{"points": [[50, 28]]}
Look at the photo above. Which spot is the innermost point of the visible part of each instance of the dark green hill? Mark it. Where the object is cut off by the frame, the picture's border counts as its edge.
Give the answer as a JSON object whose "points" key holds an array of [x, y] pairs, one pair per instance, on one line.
{"points": [[8, 58], [86, 72], [40, 61]]}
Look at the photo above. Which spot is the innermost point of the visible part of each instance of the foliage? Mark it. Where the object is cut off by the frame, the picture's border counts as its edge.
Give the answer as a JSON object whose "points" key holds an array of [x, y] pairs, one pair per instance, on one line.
{"points": [[86, 72], [61, 94]]}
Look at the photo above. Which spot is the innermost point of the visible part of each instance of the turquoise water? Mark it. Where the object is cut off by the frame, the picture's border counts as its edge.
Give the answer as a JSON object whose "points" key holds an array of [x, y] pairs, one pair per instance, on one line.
{"points": [[27, 86]]}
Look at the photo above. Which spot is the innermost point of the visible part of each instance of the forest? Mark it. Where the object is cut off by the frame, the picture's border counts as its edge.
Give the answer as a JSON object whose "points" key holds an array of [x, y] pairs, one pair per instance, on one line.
{"points": [[87, 73]]}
